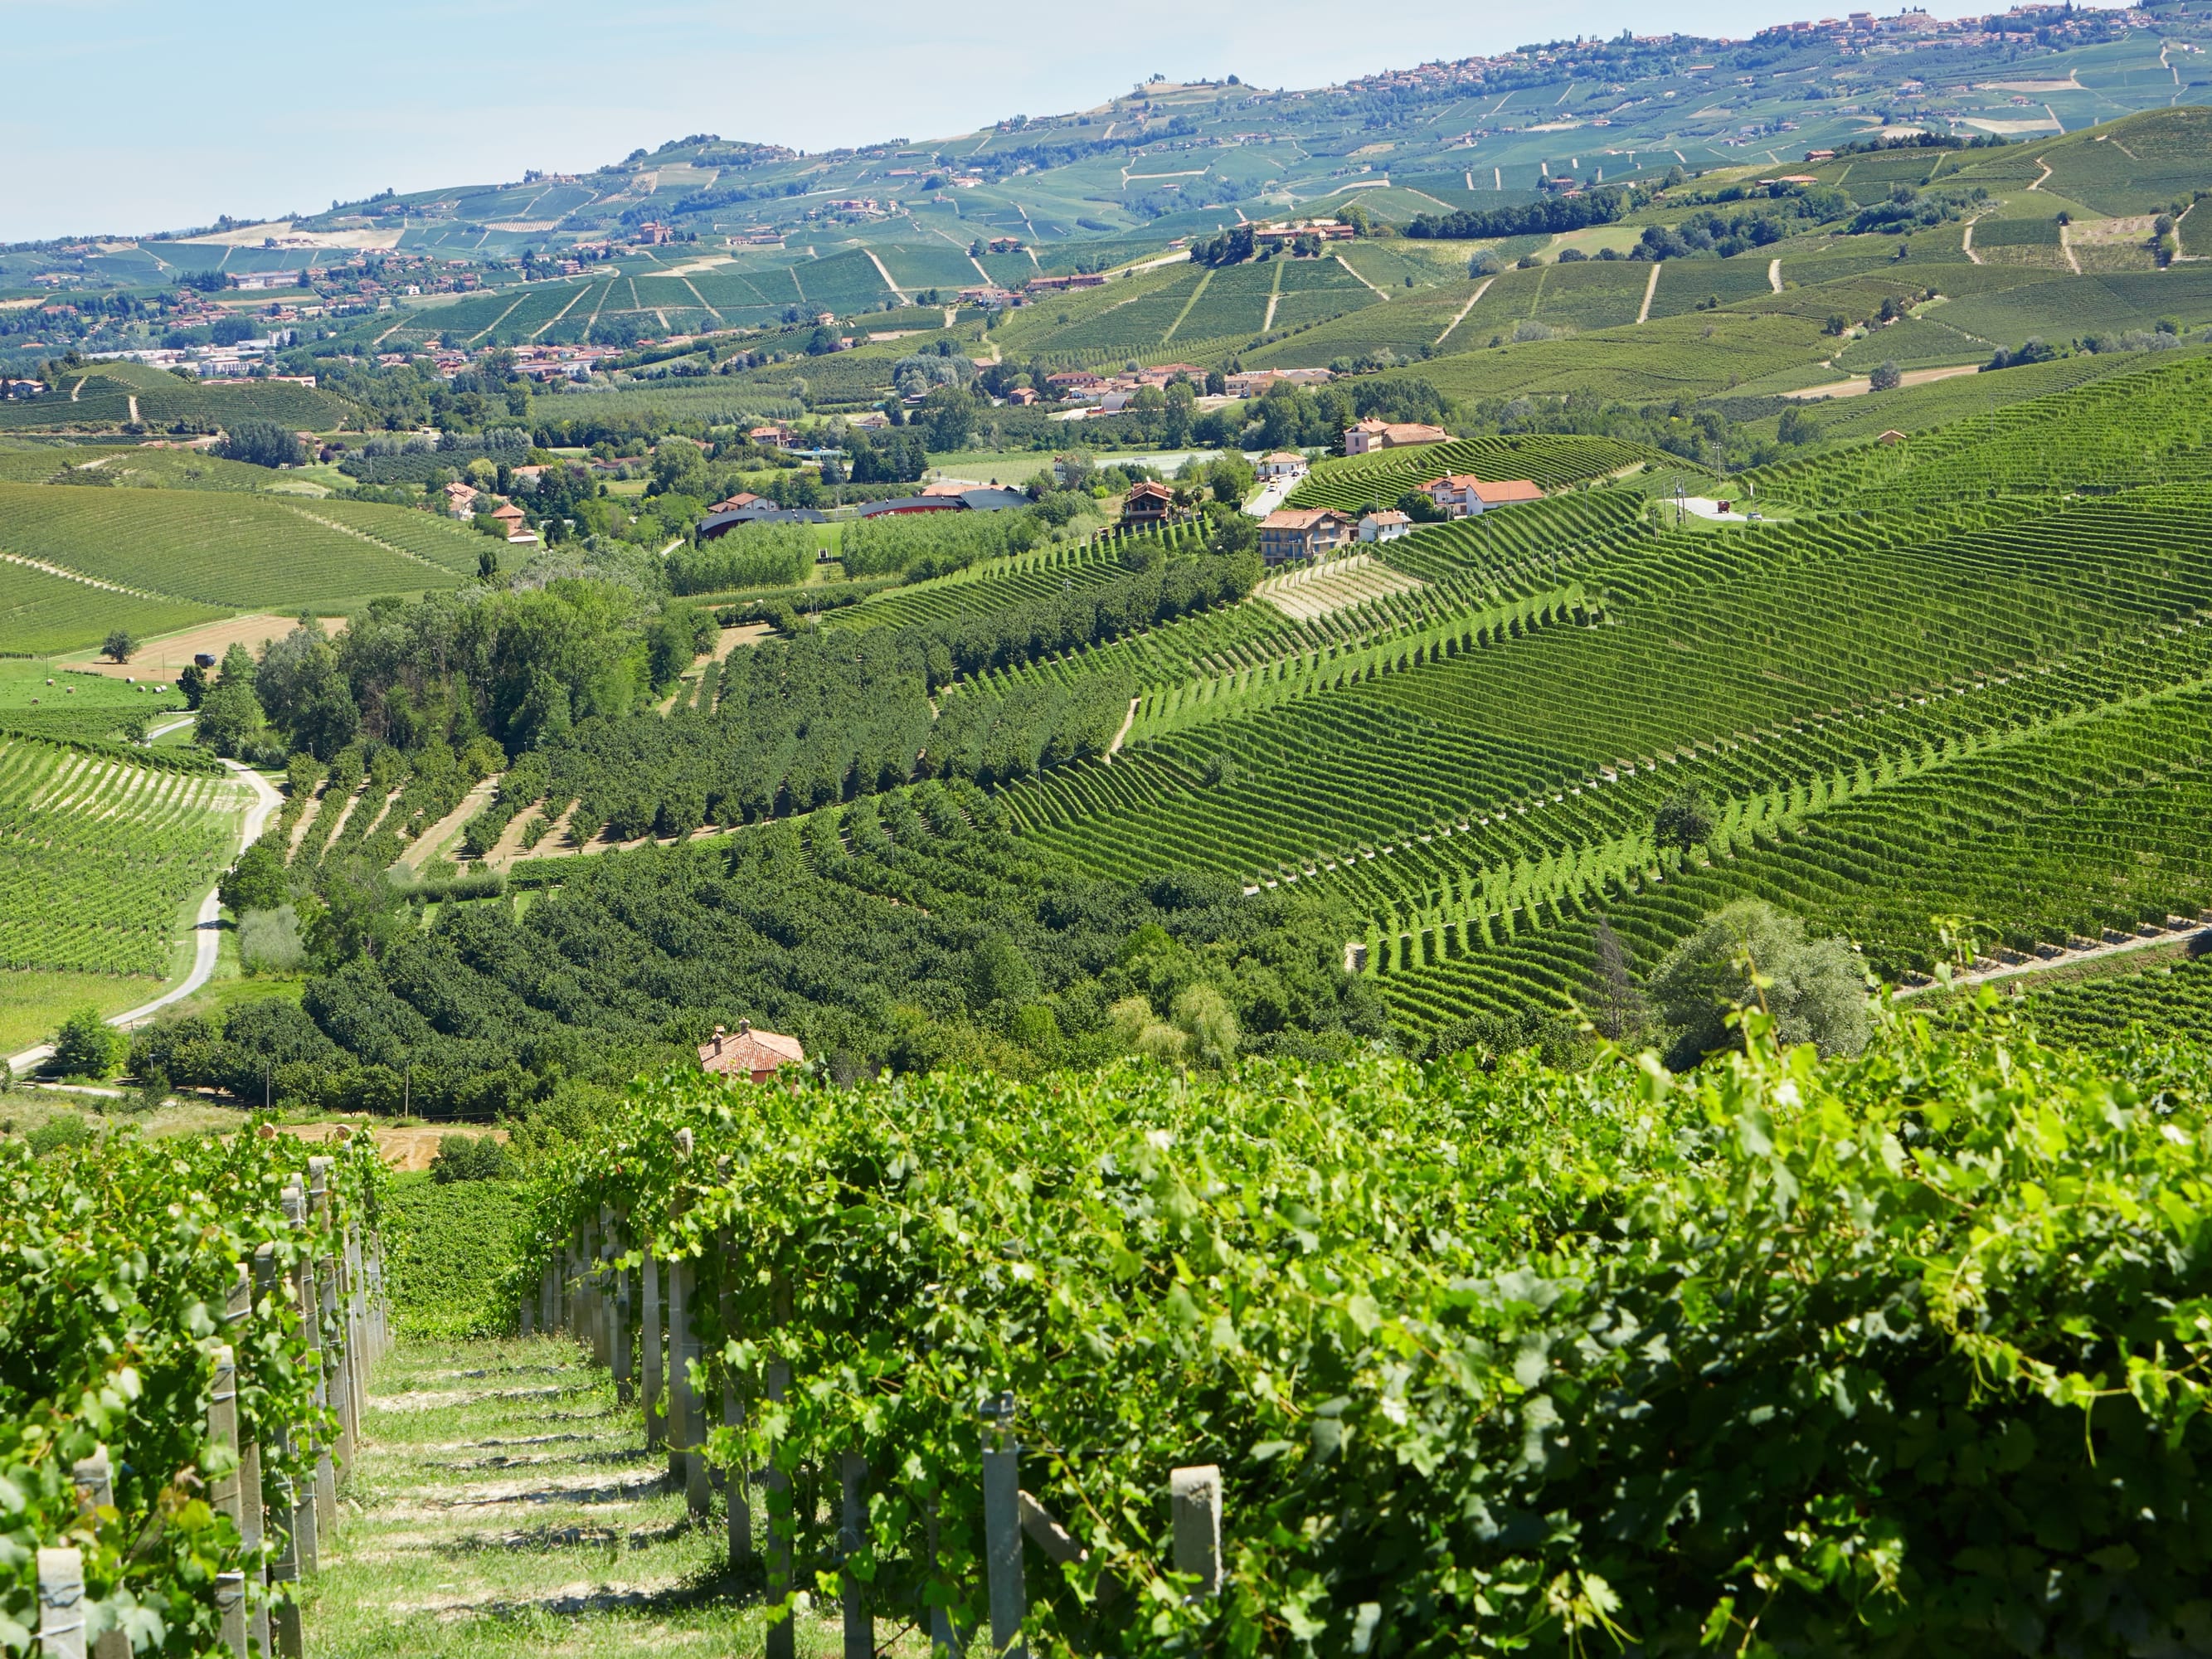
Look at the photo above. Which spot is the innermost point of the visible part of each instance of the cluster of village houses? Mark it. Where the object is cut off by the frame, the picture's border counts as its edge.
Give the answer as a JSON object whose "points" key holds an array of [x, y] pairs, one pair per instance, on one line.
{"points": [[1316, 533]]}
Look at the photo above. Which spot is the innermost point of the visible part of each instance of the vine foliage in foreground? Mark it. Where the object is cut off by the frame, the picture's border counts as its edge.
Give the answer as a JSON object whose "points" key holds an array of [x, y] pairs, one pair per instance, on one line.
{"points": [[1904, 1355], [116, 1262]]}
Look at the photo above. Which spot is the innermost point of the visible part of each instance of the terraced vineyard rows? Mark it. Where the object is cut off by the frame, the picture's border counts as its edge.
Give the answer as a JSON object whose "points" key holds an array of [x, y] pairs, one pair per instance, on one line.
{"points": [[2144, 427], [994, 585], [1697, 630], [98, 858], [2171, 1000], [1352, 481], [2091, 824], [1469, 571], [41, 612]]}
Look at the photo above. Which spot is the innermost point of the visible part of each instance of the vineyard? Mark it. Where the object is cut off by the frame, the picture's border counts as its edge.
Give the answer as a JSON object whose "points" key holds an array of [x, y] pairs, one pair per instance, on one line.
{"points": [[224, 549], [1379, 478], [1215, 1321], [190, 1333], [99, 858]]}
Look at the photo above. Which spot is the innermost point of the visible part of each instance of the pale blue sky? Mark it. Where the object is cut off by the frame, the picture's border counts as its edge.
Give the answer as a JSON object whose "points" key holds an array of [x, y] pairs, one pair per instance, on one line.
{"points": [[137, 115]]}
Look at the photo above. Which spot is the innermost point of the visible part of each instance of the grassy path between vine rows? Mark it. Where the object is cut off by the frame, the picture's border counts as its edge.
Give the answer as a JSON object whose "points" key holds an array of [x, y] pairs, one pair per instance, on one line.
{"points": [[503, 1504]]}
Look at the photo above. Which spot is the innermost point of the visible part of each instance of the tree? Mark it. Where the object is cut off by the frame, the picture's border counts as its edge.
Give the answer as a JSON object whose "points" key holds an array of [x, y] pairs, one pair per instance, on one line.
{"points": [[304, 694], [119, 646], [230, 719], [256, 881], [260, 443], [1751, 954], [88, 1046], [1617, 1006], [1684, 820], [1886, 377], [470, 1157], [193, 681], [1421, 507], [947, 415]]}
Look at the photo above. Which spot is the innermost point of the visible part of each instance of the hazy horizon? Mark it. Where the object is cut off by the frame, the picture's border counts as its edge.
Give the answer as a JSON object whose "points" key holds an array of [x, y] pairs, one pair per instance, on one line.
{"points": [[175, 118]]}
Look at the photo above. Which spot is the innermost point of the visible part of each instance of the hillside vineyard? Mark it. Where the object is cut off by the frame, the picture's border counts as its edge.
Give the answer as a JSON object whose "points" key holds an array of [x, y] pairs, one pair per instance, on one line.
{"points": [[1400, 870]]}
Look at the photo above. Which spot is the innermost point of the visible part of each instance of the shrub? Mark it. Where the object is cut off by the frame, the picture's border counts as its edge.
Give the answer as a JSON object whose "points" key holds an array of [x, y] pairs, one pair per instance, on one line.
{"points": [[88, 1046], [469, 1157], [58, 1134], [269, 941]]}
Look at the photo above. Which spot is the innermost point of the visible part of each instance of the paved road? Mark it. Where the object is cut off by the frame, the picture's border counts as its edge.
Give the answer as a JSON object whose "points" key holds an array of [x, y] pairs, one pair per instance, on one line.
{"points": [[1270, 498], [207, 931]]}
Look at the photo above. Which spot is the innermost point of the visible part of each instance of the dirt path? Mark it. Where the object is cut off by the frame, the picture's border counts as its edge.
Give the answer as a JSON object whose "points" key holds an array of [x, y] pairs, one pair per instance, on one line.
{"points": [[505, 1506], [2066, 247], [1481, 289], [1966, 243], [1650, 288], [2172, 933], [427, 847], [1861, 384], [1774, 275], [885, 273], [1127, 720]]}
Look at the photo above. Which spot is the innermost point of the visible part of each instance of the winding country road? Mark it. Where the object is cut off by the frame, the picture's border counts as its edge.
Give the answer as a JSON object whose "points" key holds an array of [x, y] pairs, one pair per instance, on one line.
{"points": [[207, 934]]}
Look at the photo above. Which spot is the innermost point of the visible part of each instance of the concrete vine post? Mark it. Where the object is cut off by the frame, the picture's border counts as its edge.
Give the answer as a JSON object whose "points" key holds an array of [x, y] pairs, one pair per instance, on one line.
{"points": [[679, 1374], [781, 1637], [649, 1349], [317, 1510], [284, 1636], [239, 1309], [95, 1478], [734, 1416], [1195, 1495], [852, 1527], [619, 1312], [61, 1604], [697, 1487], [223, 1492], [1002, 1529]]}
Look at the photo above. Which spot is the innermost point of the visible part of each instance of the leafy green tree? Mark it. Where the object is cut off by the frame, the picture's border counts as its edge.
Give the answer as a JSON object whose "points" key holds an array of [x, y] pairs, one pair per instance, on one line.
{"points": [[119, 646], [256, 881], [260, 443], [947, 416], [1885, 377], [1684, 821], [1752, 953], [470, 1157], [1421, 507], [304, 692], [230, 719], [88, 1046], [193, 681], [998, 972]]}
